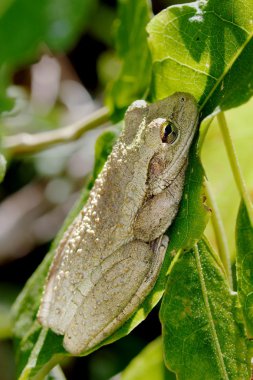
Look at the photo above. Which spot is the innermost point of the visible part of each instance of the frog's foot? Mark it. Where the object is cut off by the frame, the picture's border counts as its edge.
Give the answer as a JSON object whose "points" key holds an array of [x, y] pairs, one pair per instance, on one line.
{"points": [[159, 246]]}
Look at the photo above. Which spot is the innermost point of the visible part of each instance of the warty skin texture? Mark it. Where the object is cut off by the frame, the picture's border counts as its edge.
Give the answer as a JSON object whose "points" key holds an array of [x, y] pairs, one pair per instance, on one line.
{"points": [[110, 257]]}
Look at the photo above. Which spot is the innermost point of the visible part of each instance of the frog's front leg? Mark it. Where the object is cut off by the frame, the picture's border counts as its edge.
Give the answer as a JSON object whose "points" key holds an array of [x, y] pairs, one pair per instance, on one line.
{"points": [[121, 284], [158, 212]]}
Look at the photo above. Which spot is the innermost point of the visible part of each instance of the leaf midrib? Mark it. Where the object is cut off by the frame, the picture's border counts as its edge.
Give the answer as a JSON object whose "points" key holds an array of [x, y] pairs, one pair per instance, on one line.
{"points": [[209, 314], [225, 72]]}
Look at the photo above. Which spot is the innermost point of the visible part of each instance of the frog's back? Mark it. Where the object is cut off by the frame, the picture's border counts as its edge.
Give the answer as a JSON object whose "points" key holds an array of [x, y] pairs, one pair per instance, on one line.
{"points": [[104, 225], [118, 193]]}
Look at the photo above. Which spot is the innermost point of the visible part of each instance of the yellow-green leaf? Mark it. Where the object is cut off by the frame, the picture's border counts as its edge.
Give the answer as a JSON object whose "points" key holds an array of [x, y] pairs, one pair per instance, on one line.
{"points": [[148, 365]]}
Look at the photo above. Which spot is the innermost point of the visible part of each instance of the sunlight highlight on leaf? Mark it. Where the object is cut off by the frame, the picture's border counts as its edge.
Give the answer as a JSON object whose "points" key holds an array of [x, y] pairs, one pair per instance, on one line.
{"points": [[204, 48]]}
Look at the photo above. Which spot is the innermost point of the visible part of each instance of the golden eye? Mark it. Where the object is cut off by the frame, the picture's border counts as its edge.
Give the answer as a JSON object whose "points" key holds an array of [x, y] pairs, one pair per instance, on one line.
{"points": [[169, 133]]}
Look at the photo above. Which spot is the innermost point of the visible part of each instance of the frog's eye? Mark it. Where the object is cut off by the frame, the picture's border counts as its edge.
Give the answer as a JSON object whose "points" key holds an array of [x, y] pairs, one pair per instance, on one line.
{"points": [[169, 132]]}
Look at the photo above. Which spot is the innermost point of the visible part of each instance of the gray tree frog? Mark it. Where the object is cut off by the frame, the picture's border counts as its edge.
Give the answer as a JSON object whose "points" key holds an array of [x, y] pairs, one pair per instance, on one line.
{"points": [[110, 257]]}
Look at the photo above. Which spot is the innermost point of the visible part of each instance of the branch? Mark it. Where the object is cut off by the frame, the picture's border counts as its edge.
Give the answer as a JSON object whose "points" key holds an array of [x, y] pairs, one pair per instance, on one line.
{"points": [[32, 143]]}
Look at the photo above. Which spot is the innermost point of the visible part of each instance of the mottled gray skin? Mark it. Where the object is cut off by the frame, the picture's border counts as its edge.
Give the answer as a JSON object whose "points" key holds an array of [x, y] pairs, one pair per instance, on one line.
{"points": [[110, 257]]}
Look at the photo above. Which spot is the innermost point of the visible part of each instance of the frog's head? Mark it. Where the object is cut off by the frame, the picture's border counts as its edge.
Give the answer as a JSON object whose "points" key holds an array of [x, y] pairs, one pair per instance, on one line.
{"points": [[135, 117], [164, 128], [170, 127], [174, 119]]}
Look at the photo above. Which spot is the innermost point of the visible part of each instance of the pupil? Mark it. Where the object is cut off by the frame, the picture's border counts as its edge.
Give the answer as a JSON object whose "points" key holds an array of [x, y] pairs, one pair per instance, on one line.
{"points": [[167, 131]]}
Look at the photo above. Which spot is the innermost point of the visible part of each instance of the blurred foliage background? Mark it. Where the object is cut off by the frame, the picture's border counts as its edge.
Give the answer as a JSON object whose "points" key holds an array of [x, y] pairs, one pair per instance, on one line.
{"points": [[54, 77]]}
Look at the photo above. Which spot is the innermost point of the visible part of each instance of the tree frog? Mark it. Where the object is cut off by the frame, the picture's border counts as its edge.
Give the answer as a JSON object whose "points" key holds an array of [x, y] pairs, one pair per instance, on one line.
{"points": [[110, 257]]}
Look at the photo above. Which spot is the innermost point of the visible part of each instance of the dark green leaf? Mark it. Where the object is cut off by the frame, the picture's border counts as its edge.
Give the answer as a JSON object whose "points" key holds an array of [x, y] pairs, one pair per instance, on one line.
{"points": [[37, 346], [204, 335], [134, 78], [204, 48], [6, 103], [244, 266], [8, 293]]}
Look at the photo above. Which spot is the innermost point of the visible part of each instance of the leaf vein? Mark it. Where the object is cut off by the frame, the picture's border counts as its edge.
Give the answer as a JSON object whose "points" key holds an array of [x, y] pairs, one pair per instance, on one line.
{"points": [[219, 80], [185, 65], [209, 314], [229, 22]]}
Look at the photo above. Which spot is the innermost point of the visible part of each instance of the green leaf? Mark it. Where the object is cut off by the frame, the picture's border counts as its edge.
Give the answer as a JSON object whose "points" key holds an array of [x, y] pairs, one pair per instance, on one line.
{"points": [[132, 47], [244, 260], [148, 365], [8, 293], [204, 48], [204, 335], [37, 347], [2, 167], [186, 229], [55, 23], [6, 103]]}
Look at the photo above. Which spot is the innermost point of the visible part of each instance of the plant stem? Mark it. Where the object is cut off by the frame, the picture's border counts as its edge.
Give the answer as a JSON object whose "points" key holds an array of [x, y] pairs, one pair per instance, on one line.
{"points": [[32, 143], [220, 234], [234, 163], [203, 132]]}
